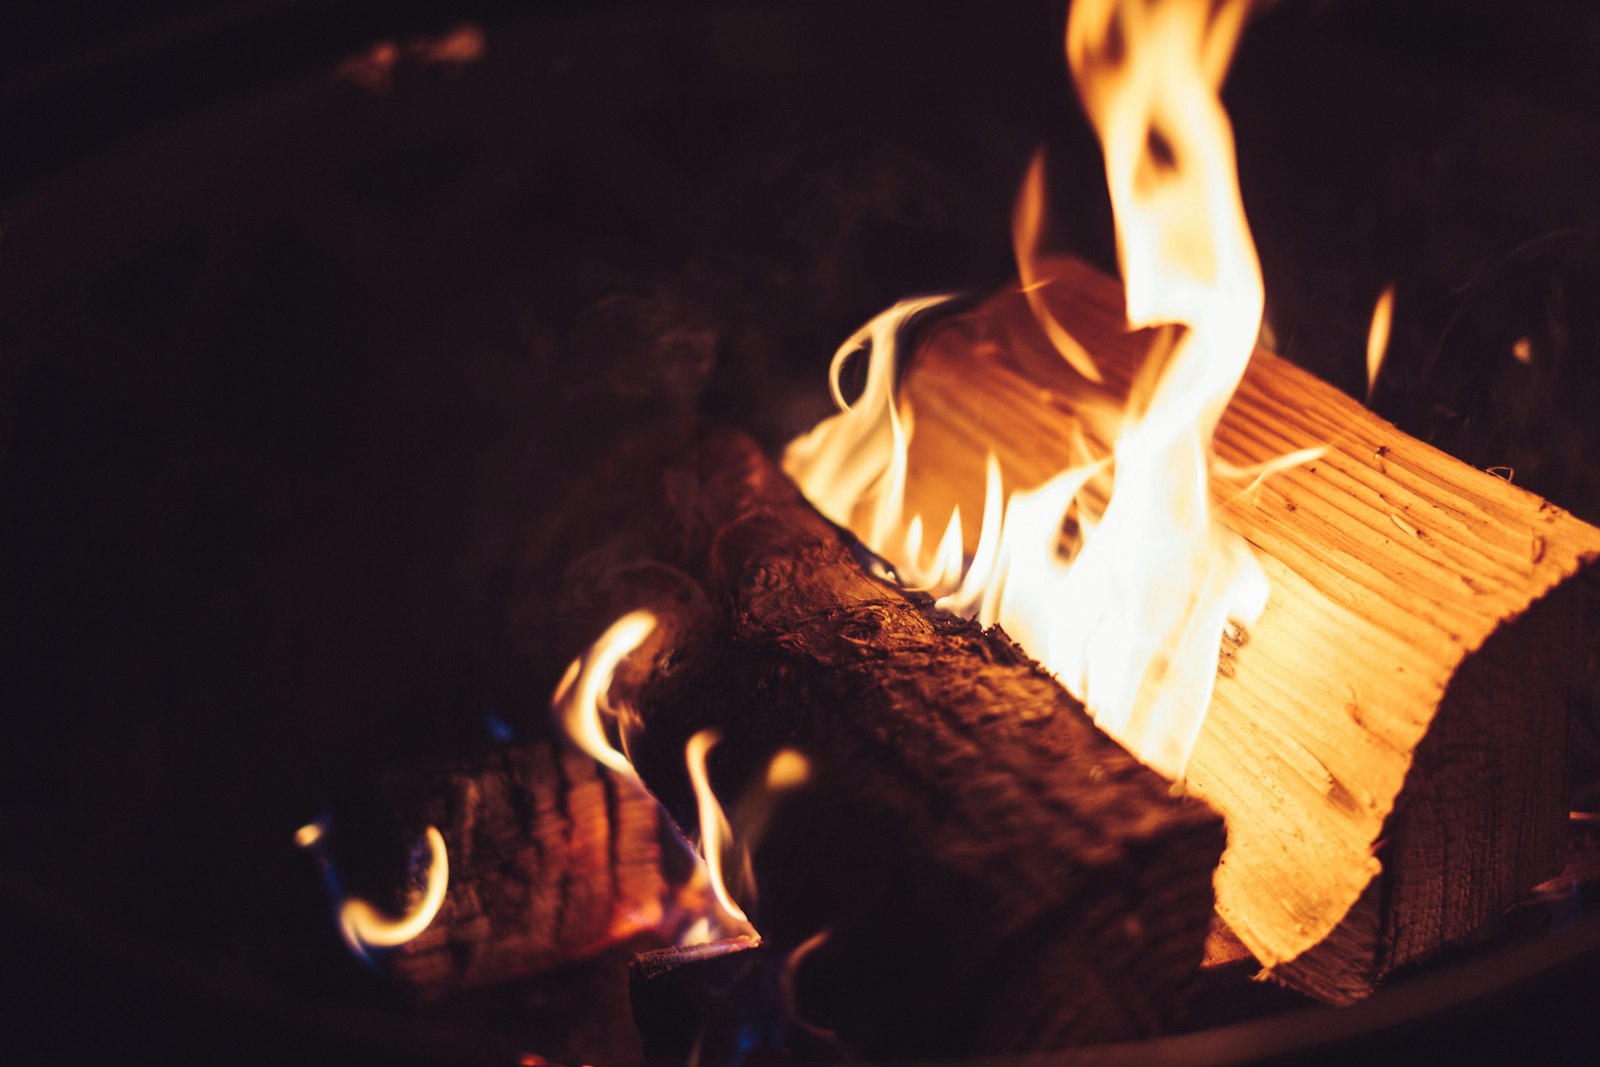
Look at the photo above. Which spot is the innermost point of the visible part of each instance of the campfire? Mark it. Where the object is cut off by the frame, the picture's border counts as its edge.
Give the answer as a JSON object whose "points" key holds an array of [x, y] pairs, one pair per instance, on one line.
{"points": [[1088, 675], [1087, 647]]}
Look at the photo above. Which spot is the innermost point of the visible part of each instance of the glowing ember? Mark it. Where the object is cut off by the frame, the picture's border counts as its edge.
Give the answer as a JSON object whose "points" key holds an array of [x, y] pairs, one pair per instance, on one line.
{"points": [[1130, 608], [788, 770]]}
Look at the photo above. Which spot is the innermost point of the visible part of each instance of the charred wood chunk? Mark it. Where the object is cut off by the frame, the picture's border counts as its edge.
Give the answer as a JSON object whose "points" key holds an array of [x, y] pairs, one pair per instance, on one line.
{"points": [[553, 859], [991, 870]]}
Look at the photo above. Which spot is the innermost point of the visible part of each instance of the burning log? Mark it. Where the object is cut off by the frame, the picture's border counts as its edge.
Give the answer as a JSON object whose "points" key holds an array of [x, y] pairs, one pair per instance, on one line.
{"points": [[992, 871], [552, 859], [1389, 748], [717, 1002]]}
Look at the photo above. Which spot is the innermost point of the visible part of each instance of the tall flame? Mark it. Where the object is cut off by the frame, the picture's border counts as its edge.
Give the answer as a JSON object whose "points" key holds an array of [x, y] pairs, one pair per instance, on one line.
{"points": [[1128, 610]]}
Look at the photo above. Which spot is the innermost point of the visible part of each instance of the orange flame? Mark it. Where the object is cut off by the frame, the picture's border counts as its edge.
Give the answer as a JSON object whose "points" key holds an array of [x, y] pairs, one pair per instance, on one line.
{"points": [[583, 700], [363, 926], [715, 833], [1378, 337], [1027, 224], [1129, 611]]}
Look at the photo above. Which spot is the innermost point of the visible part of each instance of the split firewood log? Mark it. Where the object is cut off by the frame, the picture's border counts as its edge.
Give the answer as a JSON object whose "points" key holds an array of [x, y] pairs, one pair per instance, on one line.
{"points": [[552, 859], [1389, 748], [990, 870]]}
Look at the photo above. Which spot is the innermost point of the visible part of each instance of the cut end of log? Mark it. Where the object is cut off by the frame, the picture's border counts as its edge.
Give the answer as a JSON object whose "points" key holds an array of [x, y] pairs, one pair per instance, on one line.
{"points": [[553, 859]]}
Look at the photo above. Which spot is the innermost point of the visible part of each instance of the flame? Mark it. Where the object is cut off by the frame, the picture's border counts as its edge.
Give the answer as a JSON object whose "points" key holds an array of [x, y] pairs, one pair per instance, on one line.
{"points": [[1378, 337], [1027, 223], [753, 812], [1128, 605], [363, 926], [582, 704], [788, 770], [583, 700], [715, 833]]}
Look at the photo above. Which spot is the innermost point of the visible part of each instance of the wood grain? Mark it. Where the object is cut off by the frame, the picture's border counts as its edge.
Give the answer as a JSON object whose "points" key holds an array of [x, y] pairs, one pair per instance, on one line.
{"points": [[553, 859], [1388, 747]]}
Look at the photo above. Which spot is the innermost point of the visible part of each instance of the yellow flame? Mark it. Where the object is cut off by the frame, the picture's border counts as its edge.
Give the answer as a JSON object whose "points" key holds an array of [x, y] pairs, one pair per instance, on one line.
{"points": [[1027, 225], [1378, 337], [583, 700], [363, 926], [1129, 609], [715, 834], [788, 770]]}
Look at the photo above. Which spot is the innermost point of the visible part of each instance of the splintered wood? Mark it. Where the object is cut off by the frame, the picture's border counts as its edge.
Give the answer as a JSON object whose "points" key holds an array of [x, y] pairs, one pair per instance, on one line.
{"points": [[1388, 744]]}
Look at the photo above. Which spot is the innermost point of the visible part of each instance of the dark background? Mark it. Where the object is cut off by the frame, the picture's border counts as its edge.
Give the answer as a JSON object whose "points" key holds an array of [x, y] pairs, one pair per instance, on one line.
{"points": [[294, 372]]}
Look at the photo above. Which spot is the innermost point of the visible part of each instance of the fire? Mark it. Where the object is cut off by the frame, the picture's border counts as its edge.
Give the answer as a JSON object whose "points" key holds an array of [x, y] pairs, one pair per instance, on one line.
{"points": [[585, 702], [1128, 601], [363, 926], [583, 699], [715, 833], [1378, 338], [753, 811]]}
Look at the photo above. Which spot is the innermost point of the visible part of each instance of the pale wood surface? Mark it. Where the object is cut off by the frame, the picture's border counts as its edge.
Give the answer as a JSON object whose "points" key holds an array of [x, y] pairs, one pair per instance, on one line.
{"points": [[1391, 565]]}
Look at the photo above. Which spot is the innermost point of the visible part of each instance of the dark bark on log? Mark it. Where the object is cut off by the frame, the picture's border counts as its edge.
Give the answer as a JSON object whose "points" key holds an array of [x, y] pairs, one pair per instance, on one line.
{"points": [[553, 858], [993, 871], [719, 1002]]}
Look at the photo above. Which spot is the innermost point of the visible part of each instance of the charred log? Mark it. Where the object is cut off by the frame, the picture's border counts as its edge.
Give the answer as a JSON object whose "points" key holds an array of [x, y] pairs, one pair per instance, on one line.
{"points": [[992, 871]]}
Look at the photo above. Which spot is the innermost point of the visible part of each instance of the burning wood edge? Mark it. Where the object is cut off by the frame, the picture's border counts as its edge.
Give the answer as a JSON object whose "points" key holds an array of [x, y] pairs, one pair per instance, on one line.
{"points": [[713, 1003], [1389, 748], [553, 858], [993, 871]]}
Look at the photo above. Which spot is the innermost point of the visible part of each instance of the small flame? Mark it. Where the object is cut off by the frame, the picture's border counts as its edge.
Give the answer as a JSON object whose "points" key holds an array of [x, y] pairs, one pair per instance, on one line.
{"points": [[585, 702], [363, 926], [583, 699], [1378, 337], [788, 770], [1027, 226], [715, 833], [1124, 595], [753, 813]]}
